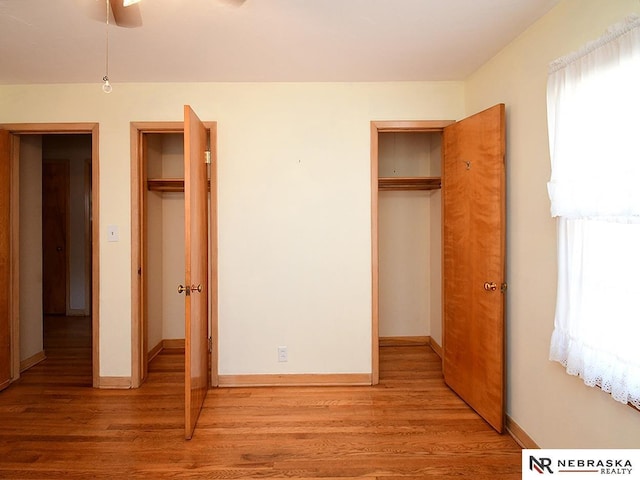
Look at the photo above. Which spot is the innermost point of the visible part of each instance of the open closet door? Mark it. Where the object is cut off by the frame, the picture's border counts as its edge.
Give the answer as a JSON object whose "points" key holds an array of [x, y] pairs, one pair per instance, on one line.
{"points": [[473, 195], [5, 256], [196, 268]]}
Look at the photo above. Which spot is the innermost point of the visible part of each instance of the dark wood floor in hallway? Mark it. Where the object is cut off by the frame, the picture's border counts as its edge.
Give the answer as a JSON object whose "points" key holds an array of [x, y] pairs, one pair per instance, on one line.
{"points": [[409, 426]]}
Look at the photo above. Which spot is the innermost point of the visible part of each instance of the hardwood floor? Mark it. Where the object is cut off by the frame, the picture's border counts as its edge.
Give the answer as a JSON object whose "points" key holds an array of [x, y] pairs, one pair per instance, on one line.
{"points": [[53, 425]]}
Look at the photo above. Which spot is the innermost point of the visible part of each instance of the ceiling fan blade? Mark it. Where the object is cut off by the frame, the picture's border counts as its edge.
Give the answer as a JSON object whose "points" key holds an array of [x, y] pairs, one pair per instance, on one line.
{"points": [[232, 3], [129, 17]]}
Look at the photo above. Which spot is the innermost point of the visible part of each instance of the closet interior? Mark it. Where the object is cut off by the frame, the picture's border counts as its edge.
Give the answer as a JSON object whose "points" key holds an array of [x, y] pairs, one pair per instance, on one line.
{"points": [[409, 236], [164, 241]]}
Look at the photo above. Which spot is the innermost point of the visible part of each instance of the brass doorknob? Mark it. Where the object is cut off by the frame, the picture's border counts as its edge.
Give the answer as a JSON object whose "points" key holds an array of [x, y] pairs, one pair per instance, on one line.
{"points": [[183, 289], [196, 289], [490, 286]]}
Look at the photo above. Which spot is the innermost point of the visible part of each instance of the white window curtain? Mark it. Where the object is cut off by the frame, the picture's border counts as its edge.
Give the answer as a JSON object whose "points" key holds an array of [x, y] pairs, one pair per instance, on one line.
{"points": [[593, 107]]}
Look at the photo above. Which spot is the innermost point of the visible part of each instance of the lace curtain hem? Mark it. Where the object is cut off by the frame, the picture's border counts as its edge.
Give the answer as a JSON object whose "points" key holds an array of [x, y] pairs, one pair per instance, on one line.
{"points": [[597, 367]]}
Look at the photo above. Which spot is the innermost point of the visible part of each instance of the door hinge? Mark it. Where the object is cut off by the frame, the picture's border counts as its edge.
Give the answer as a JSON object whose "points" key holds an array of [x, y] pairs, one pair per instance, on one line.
{"points": [[210, 345], [503, 287], [207, 157]]}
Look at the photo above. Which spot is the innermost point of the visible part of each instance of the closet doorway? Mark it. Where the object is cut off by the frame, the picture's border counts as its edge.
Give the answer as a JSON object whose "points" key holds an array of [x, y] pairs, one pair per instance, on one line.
{"points": [[472, 183], [409, 238], [174, 231], [161, 247]]}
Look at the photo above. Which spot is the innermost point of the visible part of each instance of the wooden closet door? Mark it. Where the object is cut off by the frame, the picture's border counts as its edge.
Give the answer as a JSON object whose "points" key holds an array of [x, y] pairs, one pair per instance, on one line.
{"points": [[55, 222], [196, 269], [473, 193], [5, 256]]}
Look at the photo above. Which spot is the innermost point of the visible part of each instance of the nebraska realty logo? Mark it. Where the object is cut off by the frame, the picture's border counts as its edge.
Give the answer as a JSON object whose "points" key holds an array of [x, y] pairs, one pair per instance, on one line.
{"points": [[579, 464]]}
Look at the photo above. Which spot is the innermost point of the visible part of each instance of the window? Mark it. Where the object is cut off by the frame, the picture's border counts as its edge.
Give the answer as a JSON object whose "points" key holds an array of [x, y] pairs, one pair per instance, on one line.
{"points": [[593, 107]]}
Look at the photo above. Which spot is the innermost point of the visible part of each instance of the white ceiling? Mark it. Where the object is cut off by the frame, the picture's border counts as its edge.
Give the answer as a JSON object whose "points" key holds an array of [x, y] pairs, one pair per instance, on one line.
{"points": [[63, 41]]}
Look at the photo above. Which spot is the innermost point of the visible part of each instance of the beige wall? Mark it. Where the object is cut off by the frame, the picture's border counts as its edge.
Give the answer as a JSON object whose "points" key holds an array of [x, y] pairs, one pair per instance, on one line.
{"points": [[294, 207], [173, 239], [557, 410], [30, 246], [404, 261], [154, 240]]}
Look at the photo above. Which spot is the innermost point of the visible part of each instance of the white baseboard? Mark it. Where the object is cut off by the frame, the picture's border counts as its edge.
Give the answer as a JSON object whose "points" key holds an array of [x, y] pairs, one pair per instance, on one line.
{"points": [[298, 380]]}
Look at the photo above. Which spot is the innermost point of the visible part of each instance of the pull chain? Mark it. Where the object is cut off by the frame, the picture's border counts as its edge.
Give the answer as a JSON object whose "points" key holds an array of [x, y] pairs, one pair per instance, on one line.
{"points": [[106, 87]]}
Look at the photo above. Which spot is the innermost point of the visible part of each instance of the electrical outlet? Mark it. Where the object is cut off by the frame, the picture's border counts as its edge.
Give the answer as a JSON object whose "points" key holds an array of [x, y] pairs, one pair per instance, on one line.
{"points": [[283, 355]]}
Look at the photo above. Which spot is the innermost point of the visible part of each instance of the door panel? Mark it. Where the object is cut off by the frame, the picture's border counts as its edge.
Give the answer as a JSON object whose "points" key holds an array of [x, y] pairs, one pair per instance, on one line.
{"points": [[196, 268], [473, 192], [55, 208], [5, 256]]}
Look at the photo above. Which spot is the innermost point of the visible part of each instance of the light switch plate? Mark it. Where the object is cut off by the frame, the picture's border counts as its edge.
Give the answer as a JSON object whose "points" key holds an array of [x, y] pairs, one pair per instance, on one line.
{"points": [[113, 234]]}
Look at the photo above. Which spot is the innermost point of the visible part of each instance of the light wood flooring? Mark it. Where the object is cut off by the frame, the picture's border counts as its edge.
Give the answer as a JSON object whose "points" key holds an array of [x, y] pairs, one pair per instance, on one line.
{"points": [[53, 425]]}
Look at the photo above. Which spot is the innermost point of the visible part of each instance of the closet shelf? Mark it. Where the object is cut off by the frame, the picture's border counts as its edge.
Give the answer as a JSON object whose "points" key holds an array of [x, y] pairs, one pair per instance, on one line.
{"points": [[165, 184], [409, 183], [168, 184]]}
